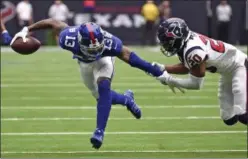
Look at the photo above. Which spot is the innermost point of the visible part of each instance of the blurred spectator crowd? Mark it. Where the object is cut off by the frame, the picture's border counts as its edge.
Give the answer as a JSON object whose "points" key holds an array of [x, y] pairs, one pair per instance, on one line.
{"points": [[153, 12]]}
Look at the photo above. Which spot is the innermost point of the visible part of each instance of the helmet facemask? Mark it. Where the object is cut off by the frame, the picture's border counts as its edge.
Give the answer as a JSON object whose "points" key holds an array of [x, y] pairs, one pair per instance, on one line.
{"points": [[171, 47], [94, 49]]}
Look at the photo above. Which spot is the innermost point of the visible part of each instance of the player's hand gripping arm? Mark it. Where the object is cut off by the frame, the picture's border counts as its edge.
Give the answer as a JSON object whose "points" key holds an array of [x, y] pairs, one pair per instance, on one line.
{"points": [[135, 61], [194, 81], [173, 69], [43, 24]]}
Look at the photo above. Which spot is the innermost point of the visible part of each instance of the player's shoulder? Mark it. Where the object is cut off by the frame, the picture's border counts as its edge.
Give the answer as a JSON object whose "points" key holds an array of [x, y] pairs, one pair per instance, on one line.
{"points": [[70, 30], [68, 33], [112, 42], [194, 51], [108, 35]]}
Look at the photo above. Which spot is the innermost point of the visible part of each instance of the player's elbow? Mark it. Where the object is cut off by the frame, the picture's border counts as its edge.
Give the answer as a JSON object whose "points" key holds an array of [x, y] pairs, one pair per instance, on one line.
{"points": [[197, 82], [197, 85]]}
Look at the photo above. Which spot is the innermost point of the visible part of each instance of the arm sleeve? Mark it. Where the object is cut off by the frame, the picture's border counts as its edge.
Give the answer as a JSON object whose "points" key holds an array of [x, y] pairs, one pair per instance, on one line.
{"points": [[191, 82], [6, 38]]}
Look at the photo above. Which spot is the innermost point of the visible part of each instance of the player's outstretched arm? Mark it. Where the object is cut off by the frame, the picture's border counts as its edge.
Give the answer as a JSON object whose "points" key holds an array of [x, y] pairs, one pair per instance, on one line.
{"points": [[48, 24], [177, 69], [135, 61], [194, 81], [43, 24], [173, 69]]}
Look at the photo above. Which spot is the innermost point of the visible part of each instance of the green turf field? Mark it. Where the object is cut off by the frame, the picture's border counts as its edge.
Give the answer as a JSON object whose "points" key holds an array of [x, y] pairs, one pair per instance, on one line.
{"points": [[47, 112]]}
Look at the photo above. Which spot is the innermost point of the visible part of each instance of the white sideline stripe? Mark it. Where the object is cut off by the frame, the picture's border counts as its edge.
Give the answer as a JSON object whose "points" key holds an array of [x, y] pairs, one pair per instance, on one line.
{"points": [[146, 118], [118, 84], [114, 107], [81, 98], [121, 151], [121, 133]]}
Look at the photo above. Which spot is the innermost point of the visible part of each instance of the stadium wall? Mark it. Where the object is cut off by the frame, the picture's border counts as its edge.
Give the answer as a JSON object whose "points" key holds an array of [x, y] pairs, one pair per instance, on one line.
{"points": [[123, 17]]}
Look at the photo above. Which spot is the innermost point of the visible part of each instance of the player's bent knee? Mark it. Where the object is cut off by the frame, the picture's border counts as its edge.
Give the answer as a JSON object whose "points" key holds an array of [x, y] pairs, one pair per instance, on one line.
{"points": [[102, 79], [231, 121]]}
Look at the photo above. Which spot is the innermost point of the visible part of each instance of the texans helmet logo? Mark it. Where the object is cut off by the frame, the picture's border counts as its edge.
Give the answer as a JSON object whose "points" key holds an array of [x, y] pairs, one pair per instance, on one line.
{"points": [[174, 30], [8, 12]]}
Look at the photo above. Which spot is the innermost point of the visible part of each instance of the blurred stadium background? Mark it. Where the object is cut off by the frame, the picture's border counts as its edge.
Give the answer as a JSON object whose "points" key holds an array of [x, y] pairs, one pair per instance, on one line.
{"points": [[47, 112]]}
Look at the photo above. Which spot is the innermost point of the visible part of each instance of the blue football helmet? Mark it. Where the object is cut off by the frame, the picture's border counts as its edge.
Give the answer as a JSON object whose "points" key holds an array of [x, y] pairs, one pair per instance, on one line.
{"points": [[172, 33], [91, 39]]}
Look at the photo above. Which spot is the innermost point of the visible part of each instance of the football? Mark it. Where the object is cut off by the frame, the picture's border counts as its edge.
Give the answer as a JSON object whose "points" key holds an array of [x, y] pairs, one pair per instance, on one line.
{"points": [[26, 48]]}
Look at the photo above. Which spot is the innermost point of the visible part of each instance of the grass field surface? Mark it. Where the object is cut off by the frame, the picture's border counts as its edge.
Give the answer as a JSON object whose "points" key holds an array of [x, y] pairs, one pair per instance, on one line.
{"points": [[46, 111]]}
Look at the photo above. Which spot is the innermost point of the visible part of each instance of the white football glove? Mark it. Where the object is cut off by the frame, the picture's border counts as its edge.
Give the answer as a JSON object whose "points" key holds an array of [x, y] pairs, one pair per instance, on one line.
{"points": [[161, 66], [163, 79], [22, 34]]}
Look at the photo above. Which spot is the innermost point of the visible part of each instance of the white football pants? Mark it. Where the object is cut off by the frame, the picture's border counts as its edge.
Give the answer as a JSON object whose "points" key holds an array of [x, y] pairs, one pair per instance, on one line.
{"points": [[90, 72], [233, 93]]}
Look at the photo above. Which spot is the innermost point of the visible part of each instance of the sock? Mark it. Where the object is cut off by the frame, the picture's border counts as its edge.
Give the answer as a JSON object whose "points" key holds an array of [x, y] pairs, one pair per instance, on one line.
{"points": [[136, 61], [243, 118], [118, 98], [103, 104]]}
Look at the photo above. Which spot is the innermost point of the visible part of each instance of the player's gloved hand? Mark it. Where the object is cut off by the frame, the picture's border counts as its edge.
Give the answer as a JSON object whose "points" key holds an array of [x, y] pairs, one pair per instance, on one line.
{"points": [[22, 34], [164, 78], [156, 64], [161, 66]]}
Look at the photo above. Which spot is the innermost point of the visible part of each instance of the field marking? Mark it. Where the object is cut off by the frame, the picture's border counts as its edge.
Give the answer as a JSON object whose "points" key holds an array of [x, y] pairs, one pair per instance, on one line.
{"points": [[165, 97], [113, 118], [120, 133], [114, 107], [117, 84], [121, 151]]}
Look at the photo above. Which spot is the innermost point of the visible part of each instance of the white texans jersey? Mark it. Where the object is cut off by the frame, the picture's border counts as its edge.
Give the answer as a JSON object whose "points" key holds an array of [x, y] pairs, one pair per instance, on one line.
{"points": [[220, 57]]}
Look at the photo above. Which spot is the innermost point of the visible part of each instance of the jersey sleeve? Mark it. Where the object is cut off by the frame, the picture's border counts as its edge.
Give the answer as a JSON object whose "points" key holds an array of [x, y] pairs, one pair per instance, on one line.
{"points": [[6, 38], [194, 57], [62, 36], [68, 39], [117, 45], [113, 45]]}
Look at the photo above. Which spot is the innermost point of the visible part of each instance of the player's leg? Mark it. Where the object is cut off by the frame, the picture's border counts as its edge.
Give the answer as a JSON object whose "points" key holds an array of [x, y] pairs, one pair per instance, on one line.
{"points": [[239, 90], [226, 101], [126, 99], [103, 73], [102, 70], [87, 76]]}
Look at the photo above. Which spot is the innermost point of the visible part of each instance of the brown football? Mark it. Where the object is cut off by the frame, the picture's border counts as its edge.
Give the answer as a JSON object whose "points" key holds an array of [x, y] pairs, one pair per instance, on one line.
{"points": [[29, 47]]}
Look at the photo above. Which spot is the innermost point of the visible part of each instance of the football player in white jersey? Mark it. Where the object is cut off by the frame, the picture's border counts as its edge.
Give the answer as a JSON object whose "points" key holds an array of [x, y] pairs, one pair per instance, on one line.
{"points": [[199, 54]]}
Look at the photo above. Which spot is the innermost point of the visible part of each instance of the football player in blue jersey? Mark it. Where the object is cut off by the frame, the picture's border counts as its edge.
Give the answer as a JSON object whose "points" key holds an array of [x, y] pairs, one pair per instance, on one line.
{"points": [[95, 50]]}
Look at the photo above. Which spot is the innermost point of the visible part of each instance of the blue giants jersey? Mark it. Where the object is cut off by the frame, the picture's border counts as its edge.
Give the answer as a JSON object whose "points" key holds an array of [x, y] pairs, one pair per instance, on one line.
{"points": [[68, 40]]}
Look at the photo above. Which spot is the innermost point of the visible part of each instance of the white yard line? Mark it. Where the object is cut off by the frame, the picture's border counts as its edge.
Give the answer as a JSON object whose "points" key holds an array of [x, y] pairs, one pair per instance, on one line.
{"points": [[113, 118], [114, 107], [164, 97], [123, 151], [120, 133]]}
